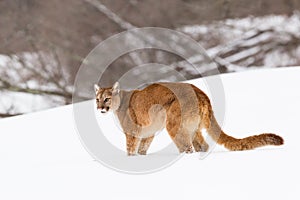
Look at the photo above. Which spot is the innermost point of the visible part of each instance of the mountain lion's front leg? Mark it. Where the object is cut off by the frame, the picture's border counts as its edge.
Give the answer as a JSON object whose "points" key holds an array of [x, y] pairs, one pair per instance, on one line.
{"points": [[132, 144]]}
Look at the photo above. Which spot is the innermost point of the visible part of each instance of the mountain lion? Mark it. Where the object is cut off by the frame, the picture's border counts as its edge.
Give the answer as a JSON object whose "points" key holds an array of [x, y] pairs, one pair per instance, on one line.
{"points": [[182, 108]]}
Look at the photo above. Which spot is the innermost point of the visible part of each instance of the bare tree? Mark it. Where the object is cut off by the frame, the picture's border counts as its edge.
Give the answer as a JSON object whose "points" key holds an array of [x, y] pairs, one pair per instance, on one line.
{"points": [[41, 69], [36, 73], [246, 52]]}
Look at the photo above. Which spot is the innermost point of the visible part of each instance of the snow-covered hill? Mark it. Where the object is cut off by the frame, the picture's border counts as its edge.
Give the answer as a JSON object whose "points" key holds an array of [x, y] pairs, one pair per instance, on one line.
{"points": [[41, 156]]}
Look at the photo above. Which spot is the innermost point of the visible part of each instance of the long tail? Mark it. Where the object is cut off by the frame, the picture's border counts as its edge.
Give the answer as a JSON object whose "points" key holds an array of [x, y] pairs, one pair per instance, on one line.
{"points": [[247, 143]]}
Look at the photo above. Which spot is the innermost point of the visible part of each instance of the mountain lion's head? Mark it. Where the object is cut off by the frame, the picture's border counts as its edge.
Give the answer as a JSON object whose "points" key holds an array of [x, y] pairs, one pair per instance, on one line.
{"points": [[107, 99]]}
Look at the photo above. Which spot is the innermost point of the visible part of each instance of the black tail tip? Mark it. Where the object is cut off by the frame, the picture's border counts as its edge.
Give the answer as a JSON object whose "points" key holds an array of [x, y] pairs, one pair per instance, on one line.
{"points": [[280, 140], [276, 139]]}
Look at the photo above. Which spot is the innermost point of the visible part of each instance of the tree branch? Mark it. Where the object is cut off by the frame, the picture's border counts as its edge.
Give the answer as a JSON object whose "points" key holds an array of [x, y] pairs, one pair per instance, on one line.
{"points": [[118, 20], [8, 86], [3, 115], [110, 14]]}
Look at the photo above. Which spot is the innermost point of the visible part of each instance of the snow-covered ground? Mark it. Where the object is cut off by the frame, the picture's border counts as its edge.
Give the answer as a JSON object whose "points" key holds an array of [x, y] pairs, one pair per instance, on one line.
{"points": [[41, 156]]}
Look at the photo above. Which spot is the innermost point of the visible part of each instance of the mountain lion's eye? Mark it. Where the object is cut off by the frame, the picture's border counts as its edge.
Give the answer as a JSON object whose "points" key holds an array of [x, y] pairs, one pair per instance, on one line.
{"points": [[106, 100], [97, 100]]}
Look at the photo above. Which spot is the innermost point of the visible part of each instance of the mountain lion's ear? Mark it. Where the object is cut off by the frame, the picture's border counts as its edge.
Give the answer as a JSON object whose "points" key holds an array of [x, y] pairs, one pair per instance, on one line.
{"points": [[116, 88], [96, 87]]}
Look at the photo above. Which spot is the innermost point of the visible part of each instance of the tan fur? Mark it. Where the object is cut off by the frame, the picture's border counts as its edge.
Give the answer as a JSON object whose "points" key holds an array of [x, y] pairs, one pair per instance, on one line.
{"points": [[183, 109]]}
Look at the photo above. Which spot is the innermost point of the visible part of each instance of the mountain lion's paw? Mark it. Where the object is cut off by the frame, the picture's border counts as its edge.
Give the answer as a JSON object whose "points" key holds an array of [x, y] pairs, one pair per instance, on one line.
{"points": [[189, 150], [131, 154], [142, 152]]}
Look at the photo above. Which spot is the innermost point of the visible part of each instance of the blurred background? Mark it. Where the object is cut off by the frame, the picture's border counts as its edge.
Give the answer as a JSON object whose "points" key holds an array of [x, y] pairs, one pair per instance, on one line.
{"points": [[43, 43]]}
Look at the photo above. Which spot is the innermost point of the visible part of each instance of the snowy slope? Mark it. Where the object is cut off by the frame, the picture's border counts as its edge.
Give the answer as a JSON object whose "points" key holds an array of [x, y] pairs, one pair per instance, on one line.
{"points": [[41, 156]]}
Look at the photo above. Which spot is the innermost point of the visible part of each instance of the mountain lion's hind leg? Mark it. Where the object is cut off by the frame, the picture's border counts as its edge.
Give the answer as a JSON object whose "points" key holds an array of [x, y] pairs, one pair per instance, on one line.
{"points": [[175, 127], [144, 145], [132, 144], [199, 143], [182, 140], [184, 144]]}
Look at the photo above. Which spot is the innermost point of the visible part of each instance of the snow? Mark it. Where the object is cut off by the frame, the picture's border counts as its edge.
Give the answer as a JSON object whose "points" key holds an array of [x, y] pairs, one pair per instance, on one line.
{"points": [[42, 158], [279, 22], [220, 36], [15, 102]]}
